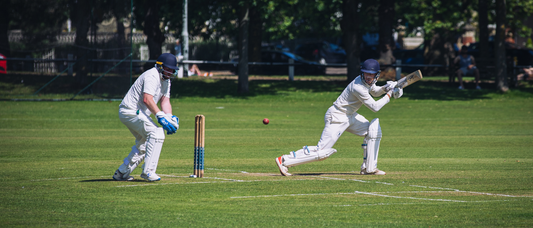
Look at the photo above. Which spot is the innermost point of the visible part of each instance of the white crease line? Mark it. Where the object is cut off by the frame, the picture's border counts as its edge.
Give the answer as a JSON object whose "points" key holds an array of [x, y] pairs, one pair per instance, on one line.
{"points": [[69, 178], [311, 194], [387, 204], [226, 170], [477, 193], [206, 182], [216, 178], [401, 197], [356, 192]]}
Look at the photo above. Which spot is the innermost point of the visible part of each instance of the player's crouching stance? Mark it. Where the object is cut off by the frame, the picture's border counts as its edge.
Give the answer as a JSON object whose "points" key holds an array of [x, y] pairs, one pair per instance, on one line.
{"points": [[140, 102], [342, 116]]}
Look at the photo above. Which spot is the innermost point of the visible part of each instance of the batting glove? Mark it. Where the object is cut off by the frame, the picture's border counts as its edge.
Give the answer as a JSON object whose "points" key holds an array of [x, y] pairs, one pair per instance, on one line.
{"points": [[397, 93], [389, 86], [165, 123]]}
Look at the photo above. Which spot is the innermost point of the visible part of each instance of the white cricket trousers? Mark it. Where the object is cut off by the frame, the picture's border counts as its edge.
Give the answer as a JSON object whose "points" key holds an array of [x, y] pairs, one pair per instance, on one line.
{"points": [[140, 126], [337, 122]]}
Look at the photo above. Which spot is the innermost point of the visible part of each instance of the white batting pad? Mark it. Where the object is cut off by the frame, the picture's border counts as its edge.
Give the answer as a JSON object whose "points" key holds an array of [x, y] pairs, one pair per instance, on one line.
{"points": [[131, 161], [154, 144], [372, 140], [306, 155]]}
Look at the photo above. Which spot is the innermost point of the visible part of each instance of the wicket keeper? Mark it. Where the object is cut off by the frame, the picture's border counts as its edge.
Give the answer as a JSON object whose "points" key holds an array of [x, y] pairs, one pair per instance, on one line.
{"points": [[342, 116], [152, 87]]}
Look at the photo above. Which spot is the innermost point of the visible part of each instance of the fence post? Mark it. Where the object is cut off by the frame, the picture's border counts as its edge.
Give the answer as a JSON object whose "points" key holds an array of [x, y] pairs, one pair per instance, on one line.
{"points": [[398, 69], [70, 58], [291, 69], [180, 70]]}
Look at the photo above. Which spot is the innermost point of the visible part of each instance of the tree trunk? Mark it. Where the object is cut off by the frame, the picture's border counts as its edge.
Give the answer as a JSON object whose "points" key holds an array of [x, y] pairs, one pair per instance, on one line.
{"points": [[499, 47], [244, 20], [350, 27], [121, 39], [386, 40], [254, 43], [4, 26], [154, 36], [81, 16], [434, 52], [484, 56]]}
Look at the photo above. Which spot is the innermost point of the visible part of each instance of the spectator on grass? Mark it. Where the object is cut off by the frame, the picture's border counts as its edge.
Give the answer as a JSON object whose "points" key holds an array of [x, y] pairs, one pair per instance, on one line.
{"points": [[467, 66]]}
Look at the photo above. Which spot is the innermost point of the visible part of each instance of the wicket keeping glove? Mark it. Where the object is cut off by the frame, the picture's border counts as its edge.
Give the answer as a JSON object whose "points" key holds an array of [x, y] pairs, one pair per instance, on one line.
{"points": [[174, 120], [165, 123]]}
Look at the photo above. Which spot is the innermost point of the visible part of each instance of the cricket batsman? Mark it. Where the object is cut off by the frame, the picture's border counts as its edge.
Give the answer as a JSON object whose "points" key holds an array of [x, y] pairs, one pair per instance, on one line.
{"points": [[342, 116], [152, 87]]}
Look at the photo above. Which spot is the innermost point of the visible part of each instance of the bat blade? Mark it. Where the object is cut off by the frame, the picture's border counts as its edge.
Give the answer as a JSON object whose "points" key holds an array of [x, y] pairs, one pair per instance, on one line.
{"points": [[409, 79]]}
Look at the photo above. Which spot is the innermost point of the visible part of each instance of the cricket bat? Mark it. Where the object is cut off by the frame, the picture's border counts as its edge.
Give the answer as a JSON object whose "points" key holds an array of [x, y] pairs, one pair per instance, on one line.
{"points": [[409, 79]]}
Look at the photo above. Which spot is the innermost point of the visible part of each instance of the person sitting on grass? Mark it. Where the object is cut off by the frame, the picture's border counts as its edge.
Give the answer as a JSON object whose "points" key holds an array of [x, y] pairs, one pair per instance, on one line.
{"points": [[467, 66]]}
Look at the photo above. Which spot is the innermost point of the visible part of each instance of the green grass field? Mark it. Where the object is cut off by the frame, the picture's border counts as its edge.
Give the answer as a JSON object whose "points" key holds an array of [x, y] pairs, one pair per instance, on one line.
{"points": [[453, 159]]}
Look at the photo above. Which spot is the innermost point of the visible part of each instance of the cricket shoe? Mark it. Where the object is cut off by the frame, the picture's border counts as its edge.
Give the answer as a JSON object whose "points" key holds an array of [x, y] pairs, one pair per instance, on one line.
{"points": [[376, 172], [150, 177], [121, 177], [282, 169]]}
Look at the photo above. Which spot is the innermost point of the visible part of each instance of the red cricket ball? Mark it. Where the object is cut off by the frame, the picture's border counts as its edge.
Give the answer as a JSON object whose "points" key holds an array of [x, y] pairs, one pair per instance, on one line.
{"points": [[266, 121]]}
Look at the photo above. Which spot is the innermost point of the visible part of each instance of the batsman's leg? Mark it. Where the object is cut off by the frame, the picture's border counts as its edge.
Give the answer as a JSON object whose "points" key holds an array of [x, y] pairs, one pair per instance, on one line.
{"points": [[154, 144], [131, 162], [372, 141], [331, 133]]}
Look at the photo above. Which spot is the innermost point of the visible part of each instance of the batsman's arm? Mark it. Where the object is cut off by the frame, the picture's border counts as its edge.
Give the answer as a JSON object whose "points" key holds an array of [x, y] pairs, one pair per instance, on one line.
{"points": [[148, 100]]}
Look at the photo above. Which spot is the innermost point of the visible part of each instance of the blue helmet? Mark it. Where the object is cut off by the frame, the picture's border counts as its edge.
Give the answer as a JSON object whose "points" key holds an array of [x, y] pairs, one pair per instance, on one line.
{"points": [[169, 61], [371, 66]]}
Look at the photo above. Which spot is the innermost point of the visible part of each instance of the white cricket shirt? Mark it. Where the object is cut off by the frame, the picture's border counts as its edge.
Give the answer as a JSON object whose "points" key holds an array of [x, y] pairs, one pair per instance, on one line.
{"points": [[151, 83]]}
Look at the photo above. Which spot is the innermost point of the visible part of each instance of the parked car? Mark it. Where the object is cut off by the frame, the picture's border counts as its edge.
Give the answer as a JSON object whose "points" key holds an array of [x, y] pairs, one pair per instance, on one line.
{"points": [[523, 56], [3, 65], [302, 67], [321, 52], [410, 56]]}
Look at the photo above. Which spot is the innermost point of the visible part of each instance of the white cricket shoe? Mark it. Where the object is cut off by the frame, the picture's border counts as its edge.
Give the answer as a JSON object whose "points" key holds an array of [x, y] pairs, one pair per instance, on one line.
{"points": [[282, 169], [150, 177], [376, 172], [120, 176]]}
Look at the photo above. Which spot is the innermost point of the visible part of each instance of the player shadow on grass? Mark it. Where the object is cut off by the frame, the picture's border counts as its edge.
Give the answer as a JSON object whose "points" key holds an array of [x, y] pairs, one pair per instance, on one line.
{"points": [[326, 174], [111, 179], [422, 90]]}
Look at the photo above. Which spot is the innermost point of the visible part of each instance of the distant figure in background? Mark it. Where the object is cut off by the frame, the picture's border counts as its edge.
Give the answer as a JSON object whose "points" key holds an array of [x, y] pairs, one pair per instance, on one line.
{"points": [[467, 65], [177, 49], [509, 38], [527, 75], [194, 70]]}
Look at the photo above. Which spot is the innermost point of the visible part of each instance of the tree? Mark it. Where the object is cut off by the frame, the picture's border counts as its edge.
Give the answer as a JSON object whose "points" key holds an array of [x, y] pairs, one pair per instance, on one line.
{"points": [[350, 27], [483, 20], [81, 16], [244, 20], [154, 35], [4, 27], [499, 47], [442, 22], [386, 20]]}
